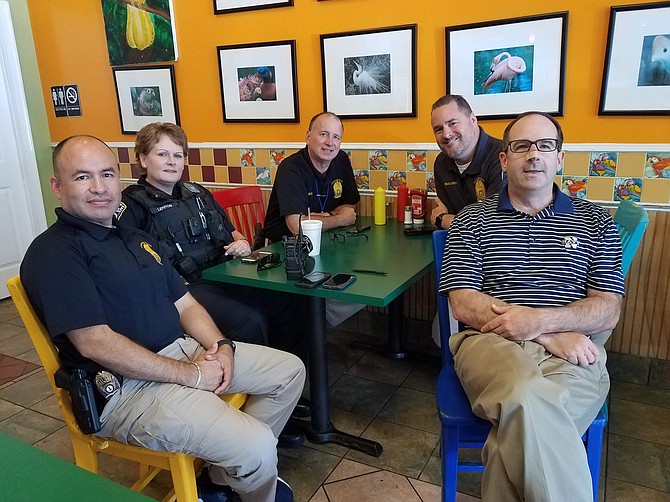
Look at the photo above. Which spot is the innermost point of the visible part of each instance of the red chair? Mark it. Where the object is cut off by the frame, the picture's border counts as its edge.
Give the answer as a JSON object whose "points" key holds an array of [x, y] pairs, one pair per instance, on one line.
{"points": [[245, 208]]}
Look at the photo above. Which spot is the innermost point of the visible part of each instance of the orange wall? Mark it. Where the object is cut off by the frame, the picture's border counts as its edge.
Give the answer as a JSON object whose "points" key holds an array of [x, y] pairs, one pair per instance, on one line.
{"points": [[71, 48]]}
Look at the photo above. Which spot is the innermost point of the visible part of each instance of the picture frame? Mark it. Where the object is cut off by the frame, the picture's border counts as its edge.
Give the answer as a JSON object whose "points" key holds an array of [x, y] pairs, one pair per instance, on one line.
{"points": [[503, 68], [370, 73], [145, 94], [228, 6], [636, 71], [259, 82]]}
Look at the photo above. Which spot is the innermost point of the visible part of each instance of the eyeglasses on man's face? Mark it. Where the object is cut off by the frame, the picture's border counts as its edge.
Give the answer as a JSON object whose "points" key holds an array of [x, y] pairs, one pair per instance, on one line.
{"points": [[542, 145]]}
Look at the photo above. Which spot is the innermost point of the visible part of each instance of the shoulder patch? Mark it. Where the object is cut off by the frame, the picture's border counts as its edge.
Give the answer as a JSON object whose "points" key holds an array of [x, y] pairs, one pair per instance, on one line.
{"points": [[147, 247], [119, 210], [191, 187]]}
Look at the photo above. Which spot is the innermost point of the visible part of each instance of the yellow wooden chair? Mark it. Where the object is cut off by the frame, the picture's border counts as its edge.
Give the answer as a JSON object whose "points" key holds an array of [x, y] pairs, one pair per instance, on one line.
{"points": [[183, 467]]}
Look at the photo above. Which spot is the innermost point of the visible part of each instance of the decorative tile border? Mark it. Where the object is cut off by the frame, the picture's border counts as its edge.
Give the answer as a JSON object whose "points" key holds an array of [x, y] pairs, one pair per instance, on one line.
{"points": [[601, 172]]}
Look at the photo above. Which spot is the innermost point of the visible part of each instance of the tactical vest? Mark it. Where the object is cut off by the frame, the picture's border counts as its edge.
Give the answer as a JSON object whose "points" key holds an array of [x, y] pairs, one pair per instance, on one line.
{"points": [[190, 230]]}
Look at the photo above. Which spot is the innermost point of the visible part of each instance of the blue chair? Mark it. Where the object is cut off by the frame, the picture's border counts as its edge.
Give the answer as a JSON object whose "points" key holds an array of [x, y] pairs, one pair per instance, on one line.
{"points": [[463, 429]]}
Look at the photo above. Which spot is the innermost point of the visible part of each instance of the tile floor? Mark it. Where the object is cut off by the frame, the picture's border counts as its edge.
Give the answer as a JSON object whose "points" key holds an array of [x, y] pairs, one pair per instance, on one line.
{"points": [[389, 401]]}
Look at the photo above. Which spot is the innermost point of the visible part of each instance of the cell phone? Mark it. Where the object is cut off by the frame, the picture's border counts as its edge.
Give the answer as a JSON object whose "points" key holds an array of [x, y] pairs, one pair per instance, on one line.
{"points": [[312, 280], [255, 256], [419, 230], [358, 229], [339, 281]]}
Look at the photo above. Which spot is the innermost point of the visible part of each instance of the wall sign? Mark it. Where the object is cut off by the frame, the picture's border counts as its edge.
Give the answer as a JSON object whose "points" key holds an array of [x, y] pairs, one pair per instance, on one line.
{"points": [[65, 99]]}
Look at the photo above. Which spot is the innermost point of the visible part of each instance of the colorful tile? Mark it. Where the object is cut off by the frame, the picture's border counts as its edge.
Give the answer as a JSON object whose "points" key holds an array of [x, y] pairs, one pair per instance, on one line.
{"points": [[277, 156], [397, 179], [575, 186], [378, 160], [627, 189], [657, 165], [416, 160], [247, 158], [362, 177], [603, 164], [263, 176]]}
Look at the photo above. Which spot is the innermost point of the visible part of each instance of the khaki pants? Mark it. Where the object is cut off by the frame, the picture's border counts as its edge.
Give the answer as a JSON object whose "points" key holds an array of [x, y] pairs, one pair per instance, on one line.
{"points": [[241, 445], [539, 406]]}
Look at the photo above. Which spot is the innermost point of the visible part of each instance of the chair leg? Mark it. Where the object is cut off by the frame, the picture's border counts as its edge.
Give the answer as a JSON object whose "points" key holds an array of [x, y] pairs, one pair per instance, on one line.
{"points": [[594, 448], [85, 455], [449, 445], [183, 478]]}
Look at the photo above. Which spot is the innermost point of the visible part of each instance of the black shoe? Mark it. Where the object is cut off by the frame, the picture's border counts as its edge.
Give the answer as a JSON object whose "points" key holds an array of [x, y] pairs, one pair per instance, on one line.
{"points": [[208, 491], [303, 409], [284, 491], [290, 437]]}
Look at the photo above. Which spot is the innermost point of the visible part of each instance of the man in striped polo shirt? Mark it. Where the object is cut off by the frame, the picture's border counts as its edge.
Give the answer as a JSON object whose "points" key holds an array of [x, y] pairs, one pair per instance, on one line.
{"points": [[537, 277]]}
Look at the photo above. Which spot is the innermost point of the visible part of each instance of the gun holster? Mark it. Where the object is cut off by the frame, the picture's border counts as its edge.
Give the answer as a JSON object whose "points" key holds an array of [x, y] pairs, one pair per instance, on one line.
{"points": [[79, 386]]}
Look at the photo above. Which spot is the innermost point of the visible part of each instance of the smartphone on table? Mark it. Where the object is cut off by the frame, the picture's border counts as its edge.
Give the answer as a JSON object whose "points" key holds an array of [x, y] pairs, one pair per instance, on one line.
{"points": [[255, 256], [339, 281], [312, 280]]}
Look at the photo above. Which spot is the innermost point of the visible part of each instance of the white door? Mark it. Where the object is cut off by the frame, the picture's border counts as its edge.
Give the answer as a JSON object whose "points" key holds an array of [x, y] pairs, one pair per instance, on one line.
{"points": [[21, 206]]}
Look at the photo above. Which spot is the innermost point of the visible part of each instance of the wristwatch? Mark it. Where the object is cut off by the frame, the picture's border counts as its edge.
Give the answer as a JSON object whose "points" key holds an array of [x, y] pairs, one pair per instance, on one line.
{"points": [[227, 341], [438, 220]]}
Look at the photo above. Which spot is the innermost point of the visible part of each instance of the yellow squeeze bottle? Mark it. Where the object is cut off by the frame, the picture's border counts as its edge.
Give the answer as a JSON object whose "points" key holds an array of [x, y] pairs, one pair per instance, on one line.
{"points": [[380, 206]]}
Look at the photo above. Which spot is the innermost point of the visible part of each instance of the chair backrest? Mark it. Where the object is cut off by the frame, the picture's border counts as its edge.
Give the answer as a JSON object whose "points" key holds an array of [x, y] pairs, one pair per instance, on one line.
{"points": [[45, 348], [631, 221], [245, 208]]}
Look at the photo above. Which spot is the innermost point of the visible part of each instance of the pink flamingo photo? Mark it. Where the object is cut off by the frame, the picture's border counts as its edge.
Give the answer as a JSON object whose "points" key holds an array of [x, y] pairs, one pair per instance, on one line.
{"points": [[504, 67]]}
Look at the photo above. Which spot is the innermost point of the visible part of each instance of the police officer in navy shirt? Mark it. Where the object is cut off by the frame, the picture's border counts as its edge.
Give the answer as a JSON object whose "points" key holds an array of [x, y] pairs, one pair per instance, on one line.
{"points": [[318, 177], [110, 301]]}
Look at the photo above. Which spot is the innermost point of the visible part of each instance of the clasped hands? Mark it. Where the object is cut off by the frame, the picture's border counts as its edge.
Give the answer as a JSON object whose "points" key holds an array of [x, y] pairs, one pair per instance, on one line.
{"points": [[216, 365], [518, 323]]}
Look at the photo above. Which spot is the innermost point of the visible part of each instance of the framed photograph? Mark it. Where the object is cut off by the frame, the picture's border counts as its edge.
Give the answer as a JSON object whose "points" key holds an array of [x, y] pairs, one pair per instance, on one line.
{"points": [[507, 67], [371, 73], [636, 76], [226, 6], [258, 82], [145, 94]]}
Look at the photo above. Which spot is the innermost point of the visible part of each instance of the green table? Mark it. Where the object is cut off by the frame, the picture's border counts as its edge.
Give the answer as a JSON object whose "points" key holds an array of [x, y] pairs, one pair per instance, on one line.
{"points": [[404, 259], [29, 474]]}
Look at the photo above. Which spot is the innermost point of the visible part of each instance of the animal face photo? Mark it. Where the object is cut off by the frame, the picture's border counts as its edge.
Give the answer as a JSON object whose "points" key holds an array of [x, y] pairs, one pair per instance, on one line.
{"points": [[146, 101], [655, 61]]}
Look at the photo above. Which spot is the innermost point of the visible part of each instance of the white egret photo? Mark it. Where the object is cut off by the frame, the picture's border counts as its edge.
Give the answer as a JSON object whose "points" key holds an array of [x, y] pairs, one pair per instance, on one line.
{"points": [[367, 74]]}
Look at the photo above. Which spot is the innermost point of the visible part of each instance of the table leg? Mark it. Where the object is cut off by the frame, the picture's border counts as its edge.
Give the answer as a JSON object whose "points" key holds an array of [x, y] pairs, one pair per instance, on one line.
{"points": [[396, 331], [321, 430]]}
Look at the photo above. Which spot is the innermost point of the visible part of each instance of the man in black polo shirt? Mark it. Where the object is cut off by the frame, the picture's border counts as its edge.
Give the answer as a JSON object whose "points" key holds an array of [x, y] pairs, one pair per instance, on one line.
{"points": [[537, 277], [110, 302], [468, 168], [318, 177]]}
